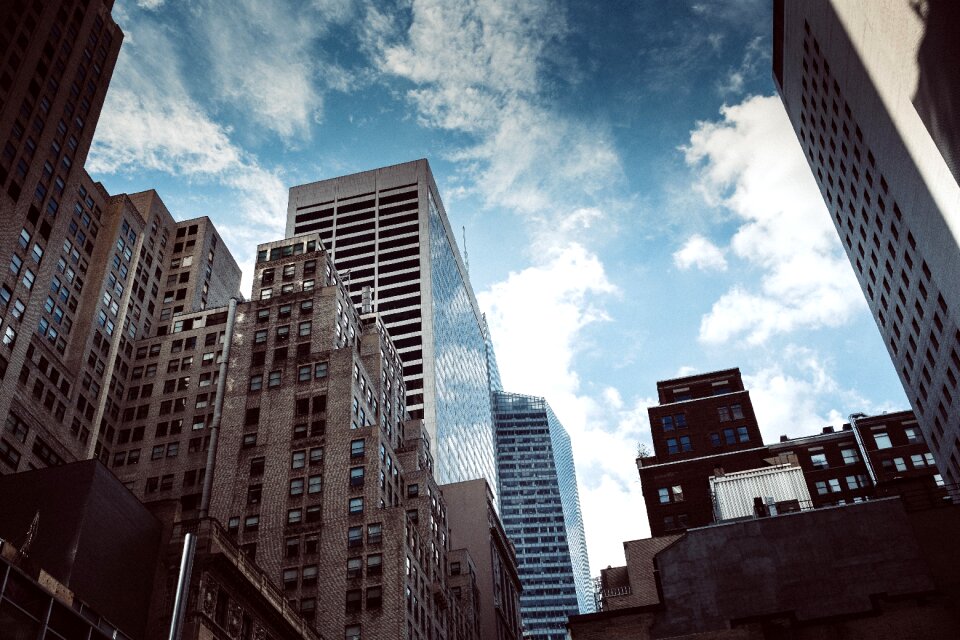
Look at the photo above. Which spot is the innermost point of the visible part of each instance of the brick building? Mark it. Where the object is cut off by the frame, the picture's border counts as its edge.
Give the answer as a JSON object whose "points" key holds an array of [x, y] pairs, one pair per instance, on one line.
{"points": [[705, 426]]}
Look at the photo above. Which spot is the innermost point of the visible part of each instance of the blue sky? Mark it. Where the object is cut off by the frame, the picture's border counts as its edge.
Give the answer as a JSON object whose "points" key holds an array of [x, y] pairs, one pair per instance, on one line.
{"points": [[635, 203]]}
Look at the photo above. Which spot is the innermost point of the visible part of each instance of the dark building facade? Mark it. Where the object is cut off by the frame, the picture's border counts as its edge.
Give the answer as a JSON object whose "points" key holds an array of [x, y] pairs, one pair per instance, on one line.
{"points": [[875, 569], [79, 526], [710, 435]]}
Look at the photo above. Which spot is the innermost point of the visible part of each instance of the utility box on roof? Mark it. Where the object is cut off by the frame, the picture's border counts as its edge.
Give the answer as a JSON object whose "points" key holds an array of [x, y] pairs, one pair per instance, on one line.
{"points": [[758, 492]]}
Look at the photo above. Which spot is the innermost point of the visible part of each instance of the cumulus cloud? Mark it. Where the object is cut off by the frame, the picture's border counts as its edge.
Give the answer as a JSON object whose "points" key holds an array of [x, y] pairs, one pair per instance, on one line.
{"points": [[750, 163], [798, 395], [537, 317], [699, 252]]}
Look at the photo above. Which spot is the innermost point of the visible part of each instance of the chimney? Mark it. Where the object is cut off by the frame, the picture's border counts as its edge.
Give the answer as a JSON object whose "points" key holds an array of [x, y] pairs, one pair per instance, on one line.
{"points": [[828, 429], [367, 304], [784, 438]]}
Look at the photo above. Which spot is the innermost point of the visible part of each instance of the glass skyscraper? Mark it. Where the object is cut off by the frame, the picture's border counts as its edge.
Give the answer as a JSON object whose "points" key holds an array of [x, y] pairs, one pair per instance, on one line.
{"points": [[392, 243], [540, 508]]}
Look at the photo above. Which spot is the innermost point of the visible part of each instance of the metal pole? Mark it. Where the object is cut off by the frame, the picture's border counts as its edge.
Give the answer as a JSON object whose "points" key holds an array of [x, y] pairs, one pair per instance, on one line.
{"points": [[217, 411], [183, 587]]}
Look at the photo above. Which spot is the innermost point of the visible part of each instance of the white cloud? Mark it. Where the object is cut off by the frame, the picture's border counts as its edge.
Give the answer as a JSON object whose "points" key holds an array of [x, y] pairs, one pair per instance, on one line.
{"points": [[798, 396], [699, 252], [151, 122], [150, 5], [537, 317], [262, 60], [477, 69], [751, 163]]}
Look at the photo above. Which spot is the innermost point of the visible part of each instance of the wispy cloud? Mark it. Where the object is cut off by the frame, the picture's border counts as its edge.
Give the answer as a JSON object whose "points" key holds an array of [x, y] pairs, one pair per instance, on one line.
{"points": [[264, 59], [151, 122], [750, 163], [476, 68]]}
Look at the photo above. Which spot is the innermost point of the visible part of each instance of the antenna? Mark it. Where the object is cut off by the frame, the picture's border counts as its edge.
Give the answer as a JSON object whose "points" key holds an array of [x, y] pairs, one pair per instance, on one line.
{"points": [[466, 256]]}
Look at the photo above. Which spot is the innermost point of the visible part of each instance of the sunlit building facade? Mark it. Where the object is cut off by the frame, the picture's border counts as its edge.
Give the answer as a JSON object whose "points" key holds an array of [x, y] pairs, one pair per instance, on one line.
{"points": [[391, 241], [540, 507], [871, 90]]}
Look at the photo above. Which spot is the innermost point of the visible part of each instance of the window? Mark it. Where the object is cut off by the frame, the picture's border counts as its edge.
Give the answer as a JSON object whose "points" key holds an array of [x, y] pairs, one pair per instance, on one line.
{"points": [[256, 382], [374, 533], [715, 440], [294, 516], [320, 370], [260, 336], [882, 438], [304, 372], [314, 484], [834, 485], [296, 487], [290, 578], [354, 600], [298, 459], [355, 536], [254, 493], [309, 574], [304, 328], [356, 480], [667, 422], [292, 546], [357, 448], [354, 567], [680, 420], [729, 436], [374, 597], [351, 632], [724, 413], [742, 434], [819, 460], [374, 564], [857, 482], [355, 506], [664, 493], [913, 435], [850, 456], [274, 380], [316, 456], [899, 464], [821, 487], [256, 466], [251, 523], [736, 411]]}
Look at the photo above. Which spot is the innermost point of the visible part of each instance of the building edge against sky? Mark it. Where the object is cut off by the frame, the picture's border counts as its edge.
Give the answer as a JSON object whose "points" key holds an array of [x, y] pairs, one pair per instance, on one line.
{"points": [[540, 507], [869, 95], [387, 229]]}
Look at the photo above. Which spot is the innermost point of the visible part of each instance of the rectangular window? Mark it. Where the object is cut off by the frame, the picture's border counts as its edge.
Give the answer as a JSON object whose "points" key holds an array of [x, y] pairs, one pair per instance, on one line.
{"points": [[667, 423], [882, 438], [736, 411], [850, 456], [742, 434], [818, 460]]}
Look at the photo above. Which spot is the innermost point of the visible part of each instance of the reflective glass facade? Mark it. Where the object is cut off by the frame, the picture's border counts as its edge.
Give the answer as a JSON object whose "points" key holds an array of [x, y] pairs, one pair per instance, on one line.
{"points": [[540, 508], [388, 234], [461, 405]]}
